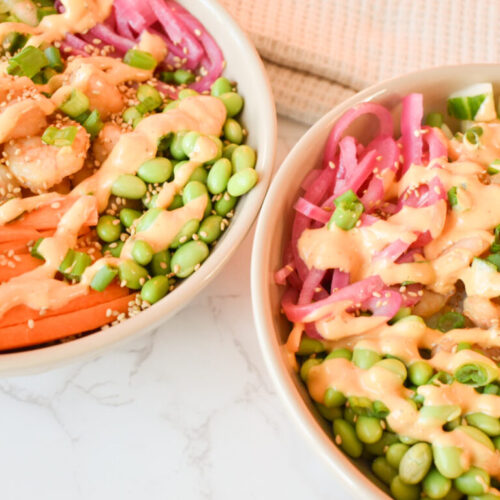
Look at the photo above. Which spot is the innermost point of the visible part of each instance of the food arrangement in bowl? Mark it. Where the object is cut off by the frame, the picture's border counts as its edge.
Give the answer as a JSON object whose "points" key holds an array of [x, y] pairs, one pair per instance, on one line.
{"points": [[123, 159], [392, 284]]}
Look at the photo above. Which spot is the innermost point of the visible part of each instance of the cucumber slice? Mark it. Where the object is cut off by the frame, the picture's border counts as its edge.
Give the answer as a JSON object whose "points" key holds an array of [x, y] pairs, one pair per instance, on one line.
{"points": [[473, 103]]}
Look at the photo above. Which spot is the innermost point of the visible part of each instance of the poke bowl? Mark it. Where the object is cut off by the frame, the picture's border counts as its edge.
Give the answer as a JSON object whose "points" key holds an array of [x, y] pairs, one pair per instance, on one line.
{"points": [[383, 426], [138, 143]]}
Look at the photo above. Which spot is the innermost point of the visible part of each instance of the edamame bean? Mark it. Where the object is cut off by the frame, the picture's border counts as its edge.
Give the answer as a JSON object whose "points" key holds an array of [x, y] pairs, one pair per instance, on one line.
{"points": [[365, 358], [160, 263], [395, 366], [176, 202], [132, 116], [176, 149], [233, 103], [403, 491], [187, 257], [333, 398], [368, 429], [199, 174], [189, 142], [415, 463], [243, 157], [346, 438], [109, 228], [491, 389], [128, 216], [349, 415], [171, 105], [219, 175], [478, 435], [183, 77], [361, 405], [192, 190], [114, 248], [142, 252], [227, 151], [475, 481], [156, 170], [132, 274], [129, 186], [221, 86], [218, 154], [241, 182], [340, 353], [306, 366], [233, 131], [489, 425], [420, 372], [329, 413], [149, 98], [435, 485], [210, 230], [448, 460], [395, 453], [155, 289], [186, 233], [407, 440], [382, 445], [383, 470], [308, 345], [147, 219], [185, 93], [225, 204]]}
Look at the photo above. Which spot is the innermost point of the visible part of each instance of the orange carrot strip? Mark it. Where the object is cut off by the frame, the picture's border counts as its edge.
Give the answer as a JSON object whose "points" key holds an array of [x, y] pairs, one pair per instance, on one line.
{"points": [[63, 325], [11, 267], [22, 314], [16, 233]]}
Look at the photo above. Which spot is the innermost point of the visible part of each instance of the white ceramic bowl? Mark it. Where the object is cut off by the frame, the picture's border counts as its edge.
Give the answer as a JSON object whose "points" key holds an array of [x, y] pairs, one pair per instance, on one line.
{"points": [[273, 232], [259, 117]]}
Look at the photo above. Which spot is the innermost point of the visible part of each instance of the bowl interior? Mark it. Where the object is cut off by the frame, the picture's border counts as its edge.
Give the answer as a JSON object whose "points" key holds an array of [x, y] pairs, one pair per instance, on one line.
{"points": [[273, 234], [259, 117]]}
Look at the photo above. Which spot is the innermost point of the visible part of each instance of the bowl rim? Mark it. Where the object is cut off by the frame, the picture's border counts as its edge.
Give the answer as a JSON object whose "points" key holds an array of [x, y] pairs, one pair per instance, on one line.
{"points": [[358, 484], [39, 359]]}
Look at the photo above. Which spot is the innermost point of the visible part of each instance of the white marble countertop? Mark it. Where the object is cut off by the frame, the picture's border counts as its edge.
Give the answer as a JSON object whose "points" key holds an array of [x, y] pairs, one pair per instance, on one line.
{"points": [[187, 412]]}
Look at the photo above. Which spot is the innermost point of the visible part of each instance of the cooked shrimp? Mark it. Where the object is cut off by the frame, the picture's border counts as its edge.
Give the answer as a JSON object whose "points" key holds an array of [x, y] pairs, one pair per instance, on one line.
{"points": [[106, 141], [9, 185], [39, 166]]}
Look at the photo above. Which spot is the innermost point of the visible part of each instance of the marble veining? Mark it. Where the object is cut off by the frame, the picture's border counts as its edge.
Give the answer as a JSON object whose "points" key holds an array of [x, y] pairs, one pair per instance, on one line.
{"points": [[186, 412]]}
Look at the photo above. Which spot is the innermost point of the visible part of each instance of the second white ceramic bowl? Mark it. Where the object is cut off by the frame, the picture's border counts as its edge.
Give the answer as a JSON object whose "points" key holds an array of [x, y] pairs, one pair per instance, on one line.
{"points": [[259, 116], [273, 232]]}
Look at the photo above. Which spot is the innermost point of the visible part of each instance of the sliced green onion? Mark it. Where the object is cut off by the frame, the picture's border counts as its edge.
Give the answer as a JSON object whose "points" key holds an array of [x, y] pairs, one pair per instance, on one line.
{"points": [[140, 59], [167, 76], [28, 62], [441, 377], [494, 259], [76, 104], [45, 11], [450, 320], [75, 264], [494, 167], [67, 261], [348, 197], [434, 120], [54, 58], [13, 42], [93, 124], [346, 215], [59, 137], [402, 313], [183, 77], [472, 137], [452, 196], [476, 374], [48, 73], [103, 278], [34, 249], [461, 346], [149, 98]]}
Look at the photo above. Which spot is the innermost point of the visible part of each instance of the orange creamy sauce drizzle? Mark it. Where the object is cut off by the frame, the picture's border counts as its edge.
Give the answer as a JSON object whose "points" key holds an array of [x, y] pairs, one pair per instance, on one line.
{"points": [[459, 235], [203, 114]]}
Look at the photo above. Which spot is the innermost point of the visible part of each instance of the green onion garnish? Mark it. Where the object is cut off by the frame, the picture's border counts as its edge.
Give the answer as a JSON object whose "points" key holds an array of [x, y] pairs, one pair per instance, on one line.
{"points": [[183, 77], [167, 76], [434, 120], [494, 167], [34, 249], [74, 264], [494, 258], [149, 98], [54, 57], [348, 211], [59, 137], [452, 196], [402, 313], [67, 261], [472, 137], [103, 278], [76, 104], [476, 374], [450, 320], [28, 62], [13, 42], [93, 124], [140, 59], [45, 11]]}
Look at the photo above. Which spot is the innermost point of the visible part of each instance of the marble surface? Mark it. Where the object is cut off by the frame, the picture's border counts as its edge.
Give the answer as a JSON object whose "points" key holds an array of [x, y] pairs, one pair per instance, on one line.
{"points": [[187, 412]]}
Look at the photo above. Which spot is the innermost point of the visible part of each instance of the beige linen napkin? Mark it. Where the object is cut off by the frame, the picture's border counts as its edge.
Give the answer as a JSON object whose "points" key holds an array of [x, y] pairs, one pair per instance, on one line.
{"points": [[319, 52]]}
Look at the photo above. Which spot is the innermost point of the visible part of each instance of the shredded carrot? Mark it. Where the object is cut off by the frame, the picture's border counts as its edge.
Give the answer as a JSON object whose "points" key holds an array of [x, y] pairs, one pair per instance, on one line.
{"points": [[52, 327]]}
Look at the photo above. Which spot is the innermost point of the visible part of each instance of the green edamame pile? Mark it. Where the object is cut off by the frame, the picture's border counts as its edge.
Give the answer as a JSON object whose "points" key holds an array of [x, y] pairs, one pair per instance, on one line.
{"points": [[222, 180], [409, 468]]}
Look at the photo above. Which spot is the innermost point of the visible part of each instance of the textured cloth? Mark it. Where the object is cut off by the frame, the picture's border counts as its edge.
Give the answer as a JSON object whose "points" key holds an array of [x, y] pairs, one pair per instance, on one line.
{"points": [[319, 52]]}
